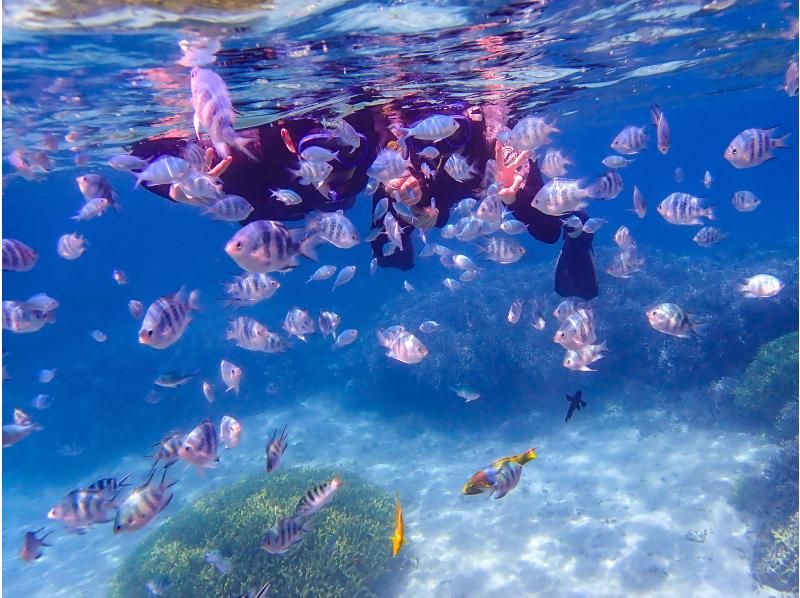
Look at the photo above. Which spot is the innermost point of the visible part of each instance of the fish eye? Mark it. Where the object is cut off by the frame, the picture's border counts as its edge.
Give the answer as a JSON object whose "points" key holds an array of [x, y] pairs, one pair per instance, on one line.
{"points": [[238, 245], [733, 150]]}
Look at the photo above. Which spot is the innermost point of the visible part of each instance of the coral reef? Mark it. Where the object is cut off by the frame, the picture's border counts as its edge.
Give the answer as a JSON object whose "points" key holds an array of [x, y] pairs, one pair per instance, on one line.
{"points": [[777, 565], [343, 555], [770, 381], [772, 500]]}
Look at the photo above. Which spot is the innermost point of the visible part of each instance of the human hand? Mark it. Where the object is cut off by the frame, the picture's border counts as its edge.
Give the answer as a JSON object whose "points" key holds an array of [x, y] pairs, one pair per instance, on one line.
{"points": [[406, 189], [507, 177]]}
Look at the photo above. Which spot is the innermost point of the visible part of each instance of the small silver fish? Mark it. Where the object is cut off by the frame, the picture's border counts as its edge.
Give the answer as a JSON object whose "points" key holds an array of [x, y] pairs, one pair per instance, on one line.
{"points": [[346, 337], [515, 311], [401, 345], [47, 376], [428, 326], [433, 128], [71, 246], [502, 250], [662, 128], [328, 322], [165, 170], [231, 375], [299, 323], [136, 309], [231, 208], [616, 162], [222, 564], [322, 273], [286, 196], [709, 236], [230, 432], [346, 274], [708, 180], [745, 201], [639, 203], [173, 379], [92, 208]]}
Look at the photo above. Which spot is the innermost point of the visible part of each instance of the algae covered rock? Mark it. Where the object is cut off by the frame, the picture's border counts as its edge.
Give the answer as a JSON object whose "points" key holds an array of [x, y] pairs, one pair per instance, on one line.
{"points": [[770, 381], [777, 567], [344, 554]]}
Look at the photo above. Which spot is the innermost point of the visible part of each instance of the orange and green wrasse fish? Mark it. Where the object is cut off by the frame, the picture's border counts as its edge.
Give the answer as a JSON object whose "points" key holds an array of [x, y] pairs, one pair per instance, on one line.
{"points": [[398, 537], [484, 480]]}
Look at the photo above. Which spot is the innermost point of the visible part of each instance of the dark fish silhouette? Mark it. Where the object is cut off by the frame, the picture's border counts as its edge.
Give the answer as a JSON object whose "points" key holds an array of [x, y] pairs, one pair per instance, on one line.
{"points": [[574, 403]]}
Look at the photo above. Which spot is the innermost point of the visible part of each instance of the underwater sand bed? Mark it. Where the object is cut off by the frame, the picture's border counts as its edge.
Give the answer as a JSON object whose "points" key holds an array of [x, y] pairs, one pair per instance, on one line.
{"points": [[616, 504]]}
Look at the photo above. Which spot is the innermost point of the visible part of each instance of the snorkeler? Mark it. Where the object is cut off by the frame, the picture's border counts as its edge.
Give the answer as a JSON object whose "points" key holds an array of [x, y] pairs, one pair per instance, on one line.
{"points": [[447, 169]]}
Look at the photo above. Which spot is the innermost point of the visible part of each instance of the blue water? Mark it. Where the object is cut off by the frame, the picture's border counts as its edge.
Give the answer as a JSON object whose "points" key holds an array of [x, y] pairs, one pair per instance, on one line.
{"points": [[594, 69]]}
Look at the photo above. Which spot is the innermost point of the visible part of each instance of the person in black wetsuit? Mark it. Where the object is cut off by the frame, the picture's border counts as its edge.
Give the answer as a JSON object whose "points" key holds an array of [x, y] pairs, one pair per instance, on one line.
{"points": [[278, 145]]}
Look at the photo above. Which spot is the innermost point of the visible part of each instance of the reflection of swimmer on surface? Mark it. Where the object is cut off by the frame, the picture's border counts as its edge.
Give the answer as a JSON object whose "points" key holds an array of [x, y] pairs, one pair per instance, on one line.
{"points": [[446, 169]]}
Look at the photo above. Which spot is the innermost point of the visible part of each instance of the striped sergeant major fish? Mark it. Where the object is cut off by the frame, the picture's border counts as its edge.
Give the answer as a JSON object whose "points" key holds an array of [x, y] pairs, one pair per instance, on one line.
{"points": [[607, 186], [168, 447], [20, 317], [316, 498], [18, 257], [167, 318], [109, 487], [631, 140], [275, 449], [268, 246], [752, 147], [213, 112], [250, 289], [143, 504], [252, 335], [82, 508], [200, 445], [685, 209], [288, 532]]}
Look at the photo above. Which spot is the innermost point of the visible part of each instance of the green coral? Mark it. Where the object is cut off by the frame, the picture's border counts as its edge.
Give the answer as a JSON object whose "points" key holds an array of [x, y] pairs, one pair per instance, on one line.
{"points": [[777, 567], [770, 380], [343, 555]]}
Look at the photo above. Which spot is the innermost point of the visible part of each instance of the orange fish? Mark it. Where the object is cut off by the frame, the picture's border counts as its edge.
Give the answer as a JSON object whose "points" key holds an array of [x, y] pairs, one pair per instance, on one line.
{"points": [[398, 539]]}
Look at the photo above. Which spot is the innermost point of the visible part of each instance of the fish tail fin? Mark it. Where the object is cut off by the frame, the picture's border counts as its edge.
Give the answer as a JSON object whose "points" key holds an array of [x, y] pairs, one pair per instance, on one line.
{"points": [[655, 113], [240, 143], [194, 300], [708, 212], [781, 141], [308, 247], [527, 456], [399, 132]]}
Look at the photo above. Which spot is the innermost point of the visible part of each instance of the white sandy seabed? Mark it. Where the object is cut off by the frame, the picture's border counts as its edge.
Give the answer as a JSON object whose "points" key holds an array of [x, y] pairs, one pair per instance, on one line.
{"points": [[615, 505]]}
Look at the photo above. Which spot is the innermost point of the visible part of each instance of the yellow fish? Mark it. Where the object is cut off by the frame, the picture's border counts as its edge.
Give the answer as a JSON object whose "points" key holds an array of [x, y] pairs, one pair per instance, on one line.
{"points": [[398, 537]]}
